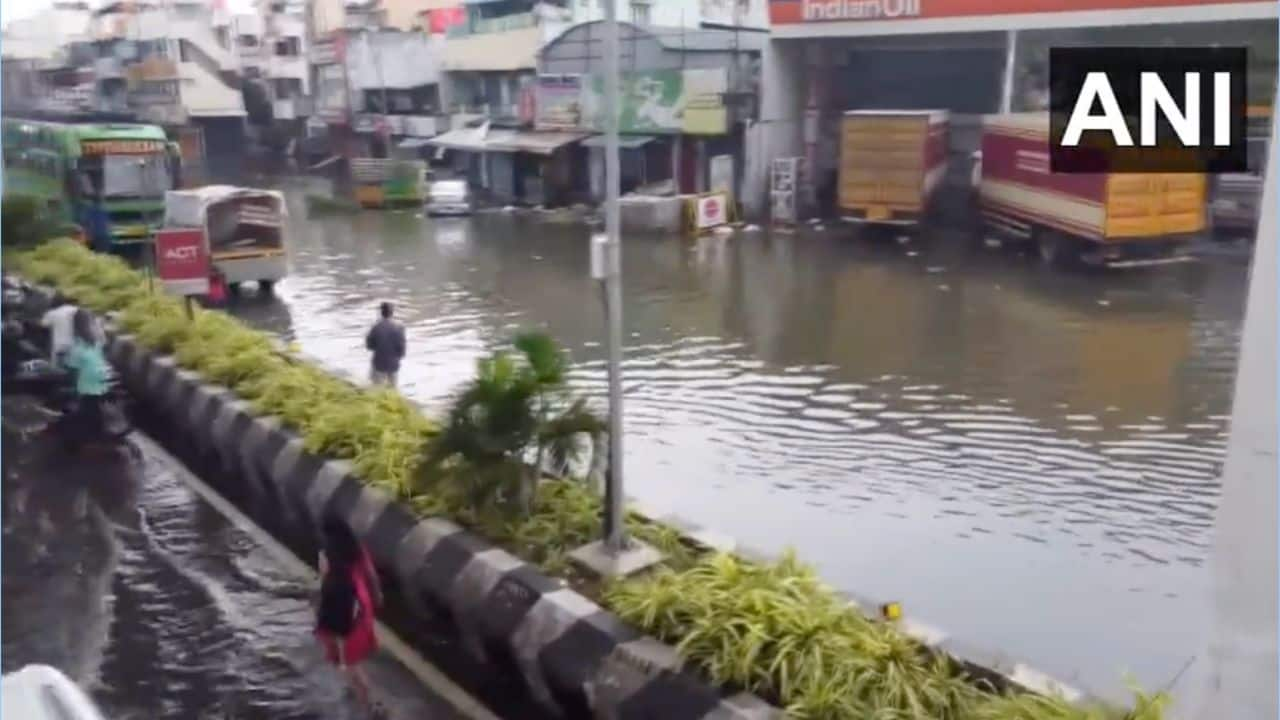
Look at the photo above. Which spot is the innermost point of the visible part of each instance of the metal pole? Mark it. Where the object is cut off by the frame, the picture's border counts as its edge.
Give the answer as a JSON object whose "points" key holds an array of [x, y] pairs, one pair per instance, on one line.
{"points": [[615, 528], [1010, 64]]}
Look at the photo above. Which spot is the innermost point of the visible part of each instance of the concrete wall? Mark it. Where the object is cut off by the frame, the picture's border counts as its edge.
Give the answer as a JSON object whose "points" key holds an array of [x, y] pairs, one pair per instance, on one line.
{"points": [[208, 95], [393, 59], [327, 16], [43, 34], [498, 51]]}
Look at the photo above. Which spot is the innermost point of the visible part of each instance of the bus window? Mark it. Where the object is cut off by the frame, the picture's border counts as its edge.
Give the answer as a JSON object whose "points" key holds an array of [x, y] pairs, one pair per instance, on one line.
{"points": [[135, 176]]}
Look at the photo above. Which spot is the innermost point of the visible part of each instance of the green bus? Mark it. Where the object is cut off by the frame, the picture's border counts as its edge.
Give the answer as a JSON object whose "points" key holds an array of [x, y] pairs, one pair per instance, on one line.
{"points": [[65, 166]]}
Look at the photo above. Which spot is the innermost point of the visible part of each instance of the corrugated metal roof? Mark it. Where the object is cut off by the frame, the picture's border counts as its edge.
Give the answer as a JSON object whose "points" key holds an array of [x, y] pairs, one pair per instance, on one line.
{"points": [[687, 39], [532, 141]]}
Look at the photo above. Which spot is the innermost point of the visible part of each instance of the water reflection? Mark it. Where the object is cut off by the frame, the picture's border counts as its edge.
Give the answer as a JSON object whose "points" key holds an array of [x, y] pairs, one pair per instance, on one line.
{"points": [[1026, 458]]}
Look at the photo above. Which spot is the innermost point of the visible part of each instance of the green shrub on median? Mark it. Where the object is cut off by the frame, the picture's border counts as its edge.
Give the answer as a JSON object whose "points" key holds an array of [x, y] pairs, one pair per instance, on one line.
{"points": [[772, 628]]}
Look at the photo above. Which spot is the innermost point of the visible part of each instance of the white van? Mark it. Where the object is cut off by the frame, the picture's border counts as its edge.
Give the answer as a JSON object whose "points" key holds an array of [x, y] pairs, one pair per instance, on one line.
{"points": [[448, 197]]}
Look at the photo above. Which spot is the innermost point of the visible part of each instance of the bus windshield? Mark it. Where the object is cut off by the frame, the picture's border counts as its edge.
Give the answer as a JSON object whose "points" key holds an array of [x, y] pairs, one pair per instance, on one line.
{"points": [[128, 176]]}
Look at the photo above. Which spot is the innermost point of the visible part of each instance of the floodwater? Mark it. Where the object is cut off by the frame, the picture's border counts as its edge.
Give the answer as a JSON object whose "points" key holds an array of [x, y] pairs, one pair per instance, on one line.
{"points": [[124, 579], [1027, 459]]}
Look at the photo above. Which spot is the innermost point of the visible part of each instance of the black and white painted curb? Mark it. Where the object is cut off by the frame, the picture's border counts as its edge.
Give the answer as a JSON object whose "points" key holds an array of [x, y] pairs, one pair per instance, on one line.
{"points": [[577, 659]]}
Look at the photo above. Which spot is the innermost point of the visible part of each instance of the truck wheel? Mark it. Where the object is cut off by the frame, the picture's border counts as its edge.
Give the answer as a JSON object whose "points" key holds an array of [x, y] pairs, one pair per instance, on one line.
{"points": [[234, 288]]}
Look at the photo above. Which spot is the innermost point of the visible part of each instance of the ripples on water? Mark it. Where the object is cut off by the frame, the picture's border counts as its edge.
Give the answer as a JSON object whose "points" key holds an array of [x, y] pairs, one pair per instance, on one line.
{"points": [[163, 609], [1027, 459]]}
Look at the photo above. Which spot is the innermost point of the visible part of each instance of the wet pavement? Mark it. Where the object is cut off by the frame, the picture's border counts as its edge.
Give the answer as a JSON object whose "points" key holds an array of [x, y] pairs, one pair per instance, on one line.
{"points": [[1026, 458], [122, 577]]}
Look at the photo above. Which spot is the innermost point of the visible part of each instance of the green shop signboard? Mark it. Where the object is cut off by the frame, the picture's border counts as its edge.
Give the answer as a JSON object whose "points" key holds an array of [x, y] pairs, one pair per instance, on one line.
{"points": [[648, 102], [661, 101]]}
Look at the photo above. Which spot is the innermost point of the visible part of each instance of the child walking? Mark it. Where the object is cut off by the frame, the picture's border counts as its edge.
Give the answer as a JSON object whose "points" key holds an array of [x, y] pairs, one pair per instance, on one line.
{"points": [[350, 594]]}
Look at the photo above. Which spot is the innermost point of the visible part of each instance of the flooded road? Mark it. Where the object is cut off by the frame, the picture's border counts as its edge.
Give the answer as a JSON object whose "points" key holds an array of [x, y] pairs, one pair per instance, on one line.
{"points": [[123, 578], [1027, 459]]}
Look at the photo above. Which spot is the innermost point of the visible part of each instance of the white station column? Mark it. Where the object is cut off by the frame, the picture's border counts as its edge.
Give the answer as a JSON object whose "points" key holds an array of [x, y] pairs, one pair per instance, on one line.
{"points": [[1240, 666]]}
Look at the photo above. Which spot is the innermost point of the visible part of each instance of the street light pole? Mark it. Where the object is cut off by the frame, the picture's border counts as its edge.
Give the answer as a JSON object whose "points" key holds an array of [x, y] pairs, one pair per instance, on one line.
{"points": [[615, 525], [615, 554]]}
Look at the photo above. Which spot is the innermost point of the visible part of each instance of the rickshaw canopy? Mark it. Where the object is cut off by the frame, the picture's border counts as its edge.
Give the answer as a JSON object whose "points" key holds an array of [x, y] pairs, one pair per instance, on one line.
{"points": [[190, 208]]}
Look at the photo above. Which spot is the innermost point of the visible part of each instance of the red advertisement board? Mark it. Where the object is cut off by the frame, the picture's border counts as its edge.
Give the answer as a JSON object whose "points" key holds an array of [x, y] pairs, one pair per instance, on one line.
{"points": [[182, 262], [441, 19]]}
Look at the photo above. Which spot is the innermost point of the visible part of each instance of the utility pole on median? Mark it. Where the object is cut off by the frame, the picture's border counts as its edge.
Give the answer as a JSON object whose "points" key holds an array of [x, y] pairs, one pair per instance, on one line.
{"points": [[615, 525], [616, 554]]}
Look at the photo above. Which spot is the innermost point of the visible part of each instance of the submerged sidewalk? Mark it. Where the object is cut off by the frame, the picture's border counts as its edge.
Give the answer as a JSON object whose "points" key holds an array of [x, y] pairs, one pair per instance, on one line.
{"points": [[124, 578]]}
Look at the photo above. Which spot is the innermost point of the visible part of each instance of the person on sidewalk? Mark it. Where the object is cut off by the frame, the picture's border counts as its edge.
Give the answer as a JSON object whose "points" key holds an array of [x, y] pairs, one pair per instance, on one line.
{"points": [[350, 594], [386, 341]]}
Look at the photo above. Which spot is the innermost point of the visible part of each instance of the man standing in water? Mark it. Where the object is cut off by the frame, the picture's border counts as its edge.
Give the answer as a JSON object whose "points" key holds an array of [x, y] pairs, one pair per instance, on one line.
{"points": [[386, 342]]}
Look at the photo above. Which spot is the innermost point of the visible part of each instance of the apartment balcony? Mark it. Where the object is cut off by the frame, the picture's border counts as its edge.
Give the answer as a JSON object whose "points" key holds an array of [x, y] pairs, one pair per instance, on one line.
{"points": [[465, 114], [158, 112], [108, 68], [282, 24], [288, 66], [112, 104], [292, 108], [421, 126], [500, 50], [323, 53], [516, 21]]}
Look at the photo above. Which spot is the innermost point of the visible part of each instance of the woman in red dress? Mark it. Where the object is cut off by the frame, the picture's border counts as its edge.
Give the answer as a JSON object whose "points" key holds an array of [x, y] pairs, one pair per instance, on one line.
{"points": [[349, 597]]}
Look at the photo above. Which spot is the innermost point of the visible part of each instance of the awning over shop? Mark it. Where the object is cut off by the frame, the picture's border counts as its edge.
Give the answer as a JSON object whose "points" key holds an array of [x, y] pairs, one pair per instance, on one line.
{"points": [[625, 142], [530, 141], [469, 139], [414, 142], [503, 140]]}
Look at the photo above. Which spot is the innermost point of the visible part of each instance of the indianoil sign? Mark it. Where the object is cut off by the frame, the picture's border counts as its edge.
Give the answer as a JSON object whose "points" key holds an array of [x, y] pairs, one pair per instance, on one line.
{"points": [[819, 10], [792, 12]]}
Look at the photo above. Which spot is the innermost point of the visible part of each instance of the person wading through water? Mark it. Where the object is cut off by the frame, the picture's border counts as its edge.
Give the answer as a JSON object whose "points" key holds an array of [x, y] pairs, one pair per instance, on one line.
{"points": [[386, 341], [350, 594], [89, 365]]}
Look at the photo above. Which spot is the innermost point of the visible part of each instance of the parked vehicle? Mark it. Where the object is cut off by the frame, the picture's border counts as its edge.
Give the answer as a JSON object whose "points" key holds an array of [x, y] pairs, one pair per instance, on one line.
{"points": [[1237, 197], [243, 229], [40, 692], [1237, 202], [1105, 219], [382, 183], [449, 197], [891, 162], [63, 165]]}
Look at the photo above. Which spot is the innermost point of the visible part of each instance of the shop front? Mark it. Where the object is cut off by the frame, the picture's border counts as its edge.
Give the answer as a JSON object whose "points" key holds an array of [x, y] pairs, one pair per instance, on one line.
{"points": [[679, 103], [967, 57]]}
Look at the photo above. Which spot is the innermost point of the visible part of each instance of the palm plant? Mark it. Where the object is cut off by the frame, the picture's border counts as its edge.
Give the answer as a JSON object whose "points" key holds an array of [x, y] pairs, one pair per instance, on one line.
{"points": [[517, 405]]}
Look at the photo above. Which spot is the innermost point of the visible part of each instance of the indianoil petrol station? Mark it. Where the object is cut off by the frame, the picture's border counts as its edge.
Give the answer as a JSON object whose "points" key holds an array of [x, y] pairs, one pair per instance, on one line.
{"points": [[967, 57]]}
